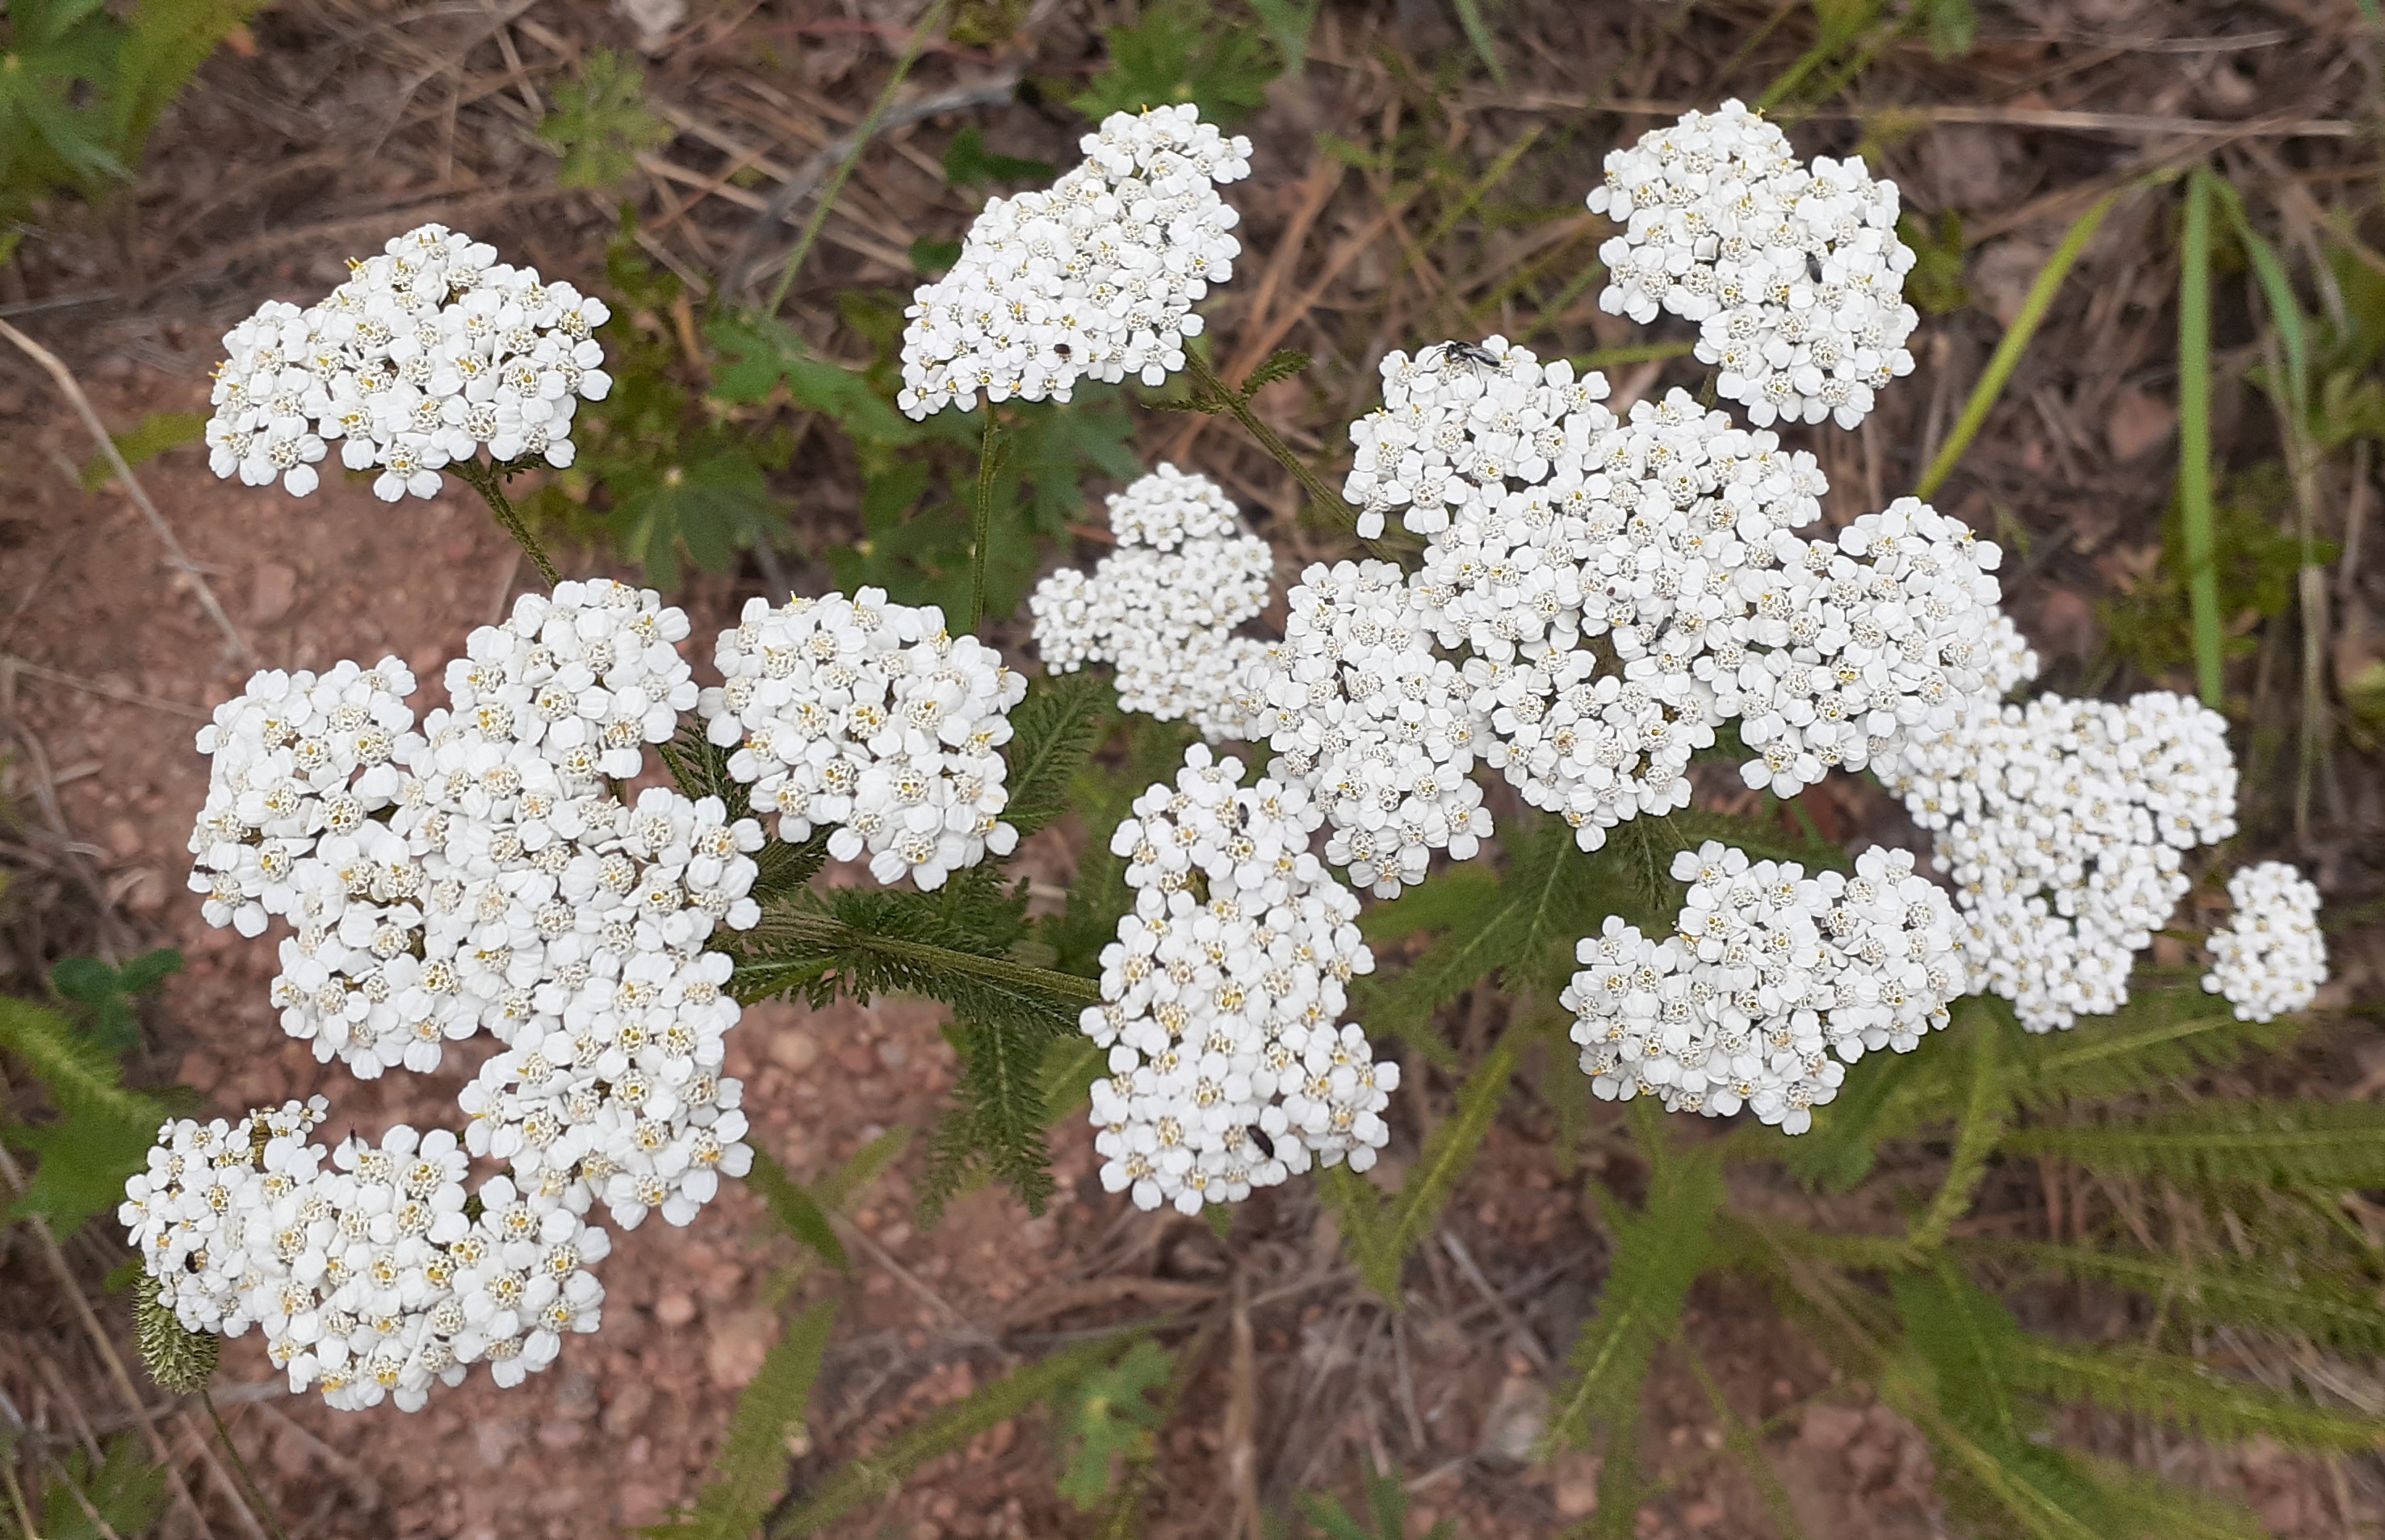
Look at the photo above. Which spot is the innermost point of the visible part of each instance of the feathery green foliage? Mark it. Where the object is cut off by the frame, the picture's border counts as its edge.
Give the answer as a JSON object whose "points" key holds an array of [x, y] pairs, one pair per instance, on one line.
{"points": [[103, 1131], [797, 1211], [2194, 436], [2160, 1036], [1658, 1253], [1053, 732], [996, 1124], [1386, 1515], [874, 1476], [1109, 1421], [1102, 798], [155, 434], [2251, 1143], [1382, 1232], [751, 1469], [2274, 1294], [2182, 1392], [124, 1490], [601, 123], [1182, 51]]}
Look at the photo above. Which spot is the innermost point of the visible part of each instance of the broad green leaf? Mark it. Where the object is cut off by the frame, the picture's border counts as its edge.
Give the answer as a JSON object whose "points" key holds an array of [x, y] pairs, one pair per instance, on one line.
{"points": [[601, 123]]}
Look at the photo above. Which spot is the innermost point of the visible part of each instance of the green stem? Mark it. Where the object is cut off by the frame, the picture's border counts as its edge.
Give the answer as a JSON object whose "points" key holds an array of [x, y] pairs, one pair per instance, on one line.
{"points": [[489, 481], [861, 138], [1314, 485], [247, 1482], [989, 464], [2016, 341], [2195, 437]]}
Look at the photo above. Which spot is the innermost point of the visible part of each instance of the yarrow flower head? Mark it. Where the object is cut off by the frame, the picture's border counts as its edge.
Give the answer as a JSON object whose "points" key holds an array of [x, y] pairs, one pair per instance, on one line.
{"points": [[429, 353], [1379, 730], [2062, 822], [1163, 608], [1793, 271], [2270, 958], [368, 1271], [1230, 1066], [1771, 980], [869, 718], [1094, 278]]}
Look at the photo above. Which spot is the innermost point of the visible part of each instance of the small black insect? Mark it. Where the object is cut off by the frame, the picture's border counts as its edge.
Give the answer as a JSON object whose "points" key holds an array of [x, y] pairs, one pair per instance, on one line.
{"points": [[1469, 353]]}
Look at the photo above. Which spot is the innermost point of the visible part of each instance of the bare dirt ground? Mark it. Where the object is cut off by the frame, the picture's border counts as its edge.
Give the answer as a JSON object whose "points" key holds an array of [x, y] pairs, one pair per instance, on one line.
{"points": [[108, 666]]}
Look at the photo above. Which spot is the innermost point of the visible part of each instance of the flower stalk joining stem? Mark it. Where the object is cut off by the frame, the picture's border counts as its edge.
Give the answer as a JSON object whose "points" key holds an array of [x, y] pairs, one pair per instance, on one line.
{"points": [[489, 481]]}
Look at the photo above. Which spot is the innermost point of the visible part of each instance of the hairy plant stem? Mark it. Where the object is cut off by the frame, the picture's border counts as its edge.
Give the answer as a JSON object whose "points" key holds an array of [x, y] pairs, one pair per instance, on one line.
{"points": [[1231, 401], [489, 481], [247, 1482], [1975, 1140], [989, 464], [825, 933]]}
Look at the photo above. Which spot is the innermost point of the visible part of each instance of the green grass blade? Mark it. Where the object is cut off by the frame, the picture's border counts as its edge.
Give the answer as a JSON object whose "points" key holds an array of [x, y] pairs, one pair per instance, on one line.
{"points": [[1478, 32], [2016, 341], [2194, 436]]}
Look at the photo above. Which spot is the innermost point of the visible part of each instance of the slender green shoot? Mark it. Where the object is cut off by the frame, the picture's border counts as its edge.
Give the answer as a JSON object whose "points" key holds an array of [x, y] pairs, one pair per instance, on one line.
{"points": [[1478, 32], [2016, 341], [2194, 436], [989, 466]]}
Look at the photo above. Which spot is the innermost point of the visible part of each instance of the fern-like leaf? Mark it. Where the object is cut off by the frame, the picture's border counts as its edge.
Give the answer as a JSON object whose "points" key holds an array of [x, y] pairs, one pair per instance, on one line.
{"points": [[2271, 1296], [796, 1211], [997, 1120], [102, 1132], [2228, 1143], [2162, 1035], [1657, 1254], [1102, 797], [751, 1469], [2183, 1392], [875, 1476], [1053, 731], [1382, 1233], [1280, 364]]}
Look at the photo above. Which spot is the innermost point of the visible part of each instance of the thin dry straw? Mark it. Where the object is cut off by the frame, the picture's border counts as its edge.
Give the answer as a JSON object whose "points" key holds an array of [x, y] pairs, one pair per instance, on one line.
{"points": [[2034, 307]]}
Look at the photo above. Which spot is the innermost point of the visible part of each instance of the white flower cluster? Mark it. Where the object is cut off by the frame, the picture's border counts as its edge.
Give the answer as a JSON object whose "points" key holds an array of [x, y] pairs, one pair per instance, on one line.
{"points": [[1094, 278], [1163, 608], [2271, 958], [1772, 979], [1378, 730], [1230, 1066], [2060, 823], [871, 719], [479, 874], [1793, 271], [429, 353], [370, 1274]]}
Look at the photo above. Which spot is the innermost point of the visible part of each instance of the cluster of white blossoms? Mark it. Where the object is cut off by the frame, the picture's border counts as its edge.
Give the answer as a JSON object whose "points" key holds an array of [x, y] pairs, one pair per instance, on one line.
{"points": [[366, 1268], [1772, 982], [430, 353], [2270, 958], [2062, 822], [869, 718], [1164, 606], [1792, 271], [1093, 278], [1363, 716], [480, 875], [1230, 1065]]}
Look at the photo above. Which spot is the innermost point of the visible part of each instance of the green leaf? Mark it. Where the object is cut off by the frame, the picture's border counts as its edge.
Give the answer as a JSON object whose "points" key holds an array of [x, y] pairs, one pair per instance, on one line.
{"points": [[1478, 35], [2159, 1036], [1386, 1516], [143, 442], [1657, 1254], [761, 353], [2233, 1142], [997, 1120], [880, 1476], [1109, 1420], [126, 1491], [932, 258], [601, 123], [1954, 28], [57, 125], [797, 1211], [1289, 23], [2184, 1394], [1935, 285], [967, 163], [102, 1132], [84, 1165], [1102, 798], [1181, 51], [1053, 732], [165, 43], [106, 994], [2194, 436], [2278, 1292], [1382, 1237], [1282, 364], [1443, 901], [709, 509], [751, 1470]]}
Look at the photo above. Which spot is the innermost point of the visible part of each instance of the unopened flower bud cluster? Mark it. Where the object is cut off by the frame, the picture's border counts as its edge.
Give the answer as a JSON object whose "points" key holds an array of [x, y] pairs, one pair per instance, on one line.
{"points": [[1771, 983], [1164, 606], [2270, 957], [368, 1271], [1093, 278], [2062, 822], [1230, 1066], [432, 351], [1792, 271], [870, 719]]}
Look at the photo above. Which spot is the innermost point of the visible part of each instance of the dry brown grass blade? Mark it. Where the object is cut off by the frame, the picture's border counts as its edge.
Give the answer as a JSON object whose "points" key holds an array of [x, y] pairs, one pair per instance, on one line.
{"points": [[1242, 1418]]}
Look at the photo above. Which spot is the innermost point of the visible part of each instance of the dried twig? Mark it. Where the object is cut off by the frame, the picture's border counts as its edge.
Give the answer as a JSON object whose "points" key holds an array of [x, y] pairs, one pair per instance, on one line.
{"points": [[68, 386], [10, 663]]}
